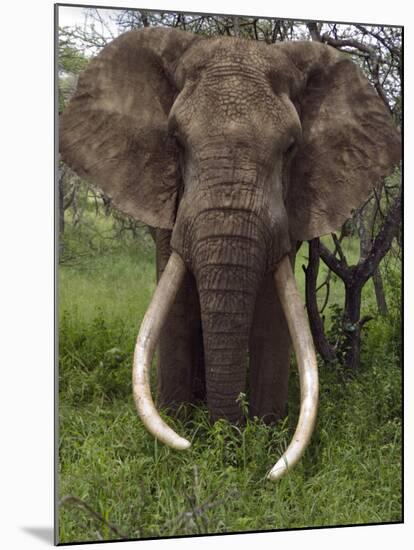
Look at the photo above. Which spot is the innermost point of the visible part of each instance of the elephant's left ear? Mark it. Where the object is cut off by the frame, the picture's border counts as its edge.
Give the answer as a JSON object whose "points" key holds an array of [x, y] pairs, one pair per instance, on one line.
{"points": [[114, 130], [350, 141]]}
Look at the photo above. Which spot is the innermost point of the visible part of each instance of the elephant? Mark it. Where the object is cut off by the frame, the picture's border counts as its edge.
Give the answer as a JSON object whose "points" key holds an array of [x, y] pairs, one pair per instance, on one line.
{"points": [[233, 151]]}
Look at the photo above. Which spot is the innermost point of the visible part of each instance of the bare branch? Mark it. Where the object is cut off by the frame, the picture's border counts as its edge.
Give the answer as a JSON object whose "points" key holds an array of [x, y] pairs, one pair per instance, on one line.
{"points": [[70, 499], [393, 50], [327, 283], [338, 248], [337, 266], [382, 243]]}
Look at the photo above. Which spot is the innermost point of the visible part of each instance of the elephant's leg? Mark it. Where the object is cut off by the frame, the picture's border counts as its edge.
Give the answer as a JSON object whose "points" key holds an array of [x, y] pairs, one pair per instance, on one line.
{"points": [[180, 365], [269, 353]]}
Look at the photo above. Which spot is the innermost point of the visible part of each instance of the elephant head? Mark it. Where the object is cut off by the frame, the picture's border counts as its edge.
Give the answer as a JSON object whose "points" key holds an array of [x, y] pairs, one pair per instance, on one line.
{"points": [[241, 149]]}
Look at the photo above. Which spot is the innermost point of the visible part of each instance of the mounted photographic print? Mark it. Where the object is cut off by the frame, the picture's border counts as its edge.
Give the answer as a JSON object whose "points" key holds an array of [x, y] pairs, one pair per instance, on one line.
{"points": [[228, 195]]}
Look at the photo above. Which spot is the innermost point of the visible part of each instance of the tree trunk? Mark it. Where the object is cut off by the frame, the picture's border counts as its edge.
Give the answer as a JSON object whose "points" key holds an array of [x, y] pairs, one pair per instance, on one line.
{"points": [[379, 293], [61, 208], [236, 25], [351, 325], [322, 345], [365, 220]]}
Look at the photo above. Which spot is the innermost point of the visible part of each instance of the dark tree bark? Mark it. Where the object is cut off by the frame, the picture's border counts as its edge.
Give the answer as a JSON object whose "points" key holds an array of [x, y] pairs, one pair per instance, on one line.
{"points": [[379, 293], [144, 18], [352, 323], [322, 345], [366, 221], [314, 31], [236, 25], [61, 205], [65, 197]]}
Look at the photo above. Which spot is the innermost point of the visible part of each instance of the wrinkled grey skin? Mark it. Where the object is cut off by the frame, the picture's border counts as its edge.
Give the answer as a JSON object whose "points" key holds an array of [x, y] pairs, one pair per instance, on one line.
{"points": [[234, 151]]}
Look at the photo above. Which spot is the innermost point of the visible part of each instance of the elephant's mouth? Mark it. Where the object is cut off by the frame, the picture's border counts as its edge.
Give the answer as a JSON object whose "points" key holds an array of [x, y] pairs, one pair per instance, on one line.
{"points": [[302, 345]]}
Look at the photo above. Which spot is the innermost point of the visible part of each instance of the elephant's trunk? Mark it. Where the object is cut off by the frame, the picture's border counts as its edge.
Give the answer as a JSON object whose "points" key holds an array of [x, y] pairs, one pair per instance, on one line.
{"points": [[228, 251]]}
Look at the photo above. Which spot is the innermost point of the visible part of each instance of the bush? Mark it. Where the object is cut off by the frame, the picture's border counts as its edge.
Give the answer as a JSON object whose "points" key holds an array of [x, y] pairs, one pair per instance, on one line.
{"points": [[94, 363]]}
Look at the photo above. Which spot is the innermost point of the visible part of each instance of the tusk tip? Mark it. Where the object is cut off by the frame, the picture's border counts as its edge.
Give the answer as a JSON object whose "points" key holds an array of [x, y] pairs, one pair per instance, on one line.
{"points": [[278, 470], [182, 444]]}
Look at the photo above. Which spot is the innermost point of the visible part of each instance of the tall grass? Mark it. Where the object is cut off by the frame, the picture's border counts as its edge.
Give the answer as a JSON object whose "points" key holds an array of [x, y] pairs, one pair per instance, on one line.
{"points": [[350, 474]]}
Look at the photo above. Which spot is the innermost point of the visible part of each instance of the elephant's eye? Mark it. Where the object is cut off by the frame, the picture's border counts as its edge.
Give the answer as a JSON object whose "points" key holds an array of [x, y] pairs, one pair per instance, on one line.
{"points": [[290, 147], [177, 136], [173, 131], [171, 126]]}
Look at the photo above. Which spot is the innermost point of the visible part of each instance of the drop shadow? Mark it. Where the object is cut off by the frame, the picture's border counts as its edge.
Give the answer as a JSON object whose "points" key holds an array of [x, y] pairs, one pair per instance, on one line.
{"points": [[43, 533]]}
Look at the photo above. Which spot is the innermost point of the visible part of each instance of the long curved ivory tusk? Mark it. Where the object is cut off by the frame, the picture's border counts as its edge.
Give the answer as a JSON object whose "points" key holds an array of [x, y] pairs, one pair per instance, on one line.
{"points": [[144, 350], [308, 370]]}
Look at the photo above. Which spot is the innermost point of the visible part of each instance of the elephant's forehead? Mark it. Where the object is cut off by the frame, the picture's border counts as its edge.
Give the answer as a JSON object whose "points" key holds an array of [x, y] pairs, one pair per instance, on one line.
{"points": [[232, 57], [229, 62], [234, 79], [239, 52], [233, 71], [234, 88]]}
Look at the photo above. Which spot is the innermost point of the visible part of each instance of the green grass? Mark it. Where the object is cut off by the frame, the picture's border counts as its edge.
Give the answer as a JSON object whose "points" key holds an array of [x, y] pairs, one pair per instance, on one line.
{"points": [[350, 474], [109, 461], [118, 286]]}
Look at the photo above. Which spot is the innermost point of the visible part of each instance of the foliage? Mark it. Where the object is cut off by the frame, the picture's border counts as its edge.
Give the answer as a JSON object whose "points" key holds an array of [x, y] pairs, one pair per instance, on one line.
{"points": [[70, 59], [70, 63], [383, 335], [92, 227]]}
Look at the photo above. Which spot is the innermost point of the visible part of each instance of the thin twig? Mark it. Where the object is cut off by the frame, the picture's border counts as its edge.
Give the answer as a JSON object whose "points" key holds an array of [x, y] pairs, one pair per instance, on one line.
{"points": [[70, 499], [203, 508], [328, 289], [338, 248]]}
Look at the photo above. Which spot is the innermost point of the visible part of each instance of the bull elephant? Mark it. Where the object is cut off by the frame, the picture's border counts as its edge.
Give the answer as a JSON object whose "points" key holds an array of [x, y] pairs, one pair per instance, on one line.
{"points": [[233, 151]]}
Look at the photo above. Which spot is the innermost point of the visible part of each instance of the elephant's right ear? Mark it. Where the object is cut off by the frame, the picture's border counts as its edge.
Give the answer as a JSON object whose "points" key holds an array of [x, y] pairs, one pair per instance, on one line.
{"points": [[349, 140], [114, 130]]}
